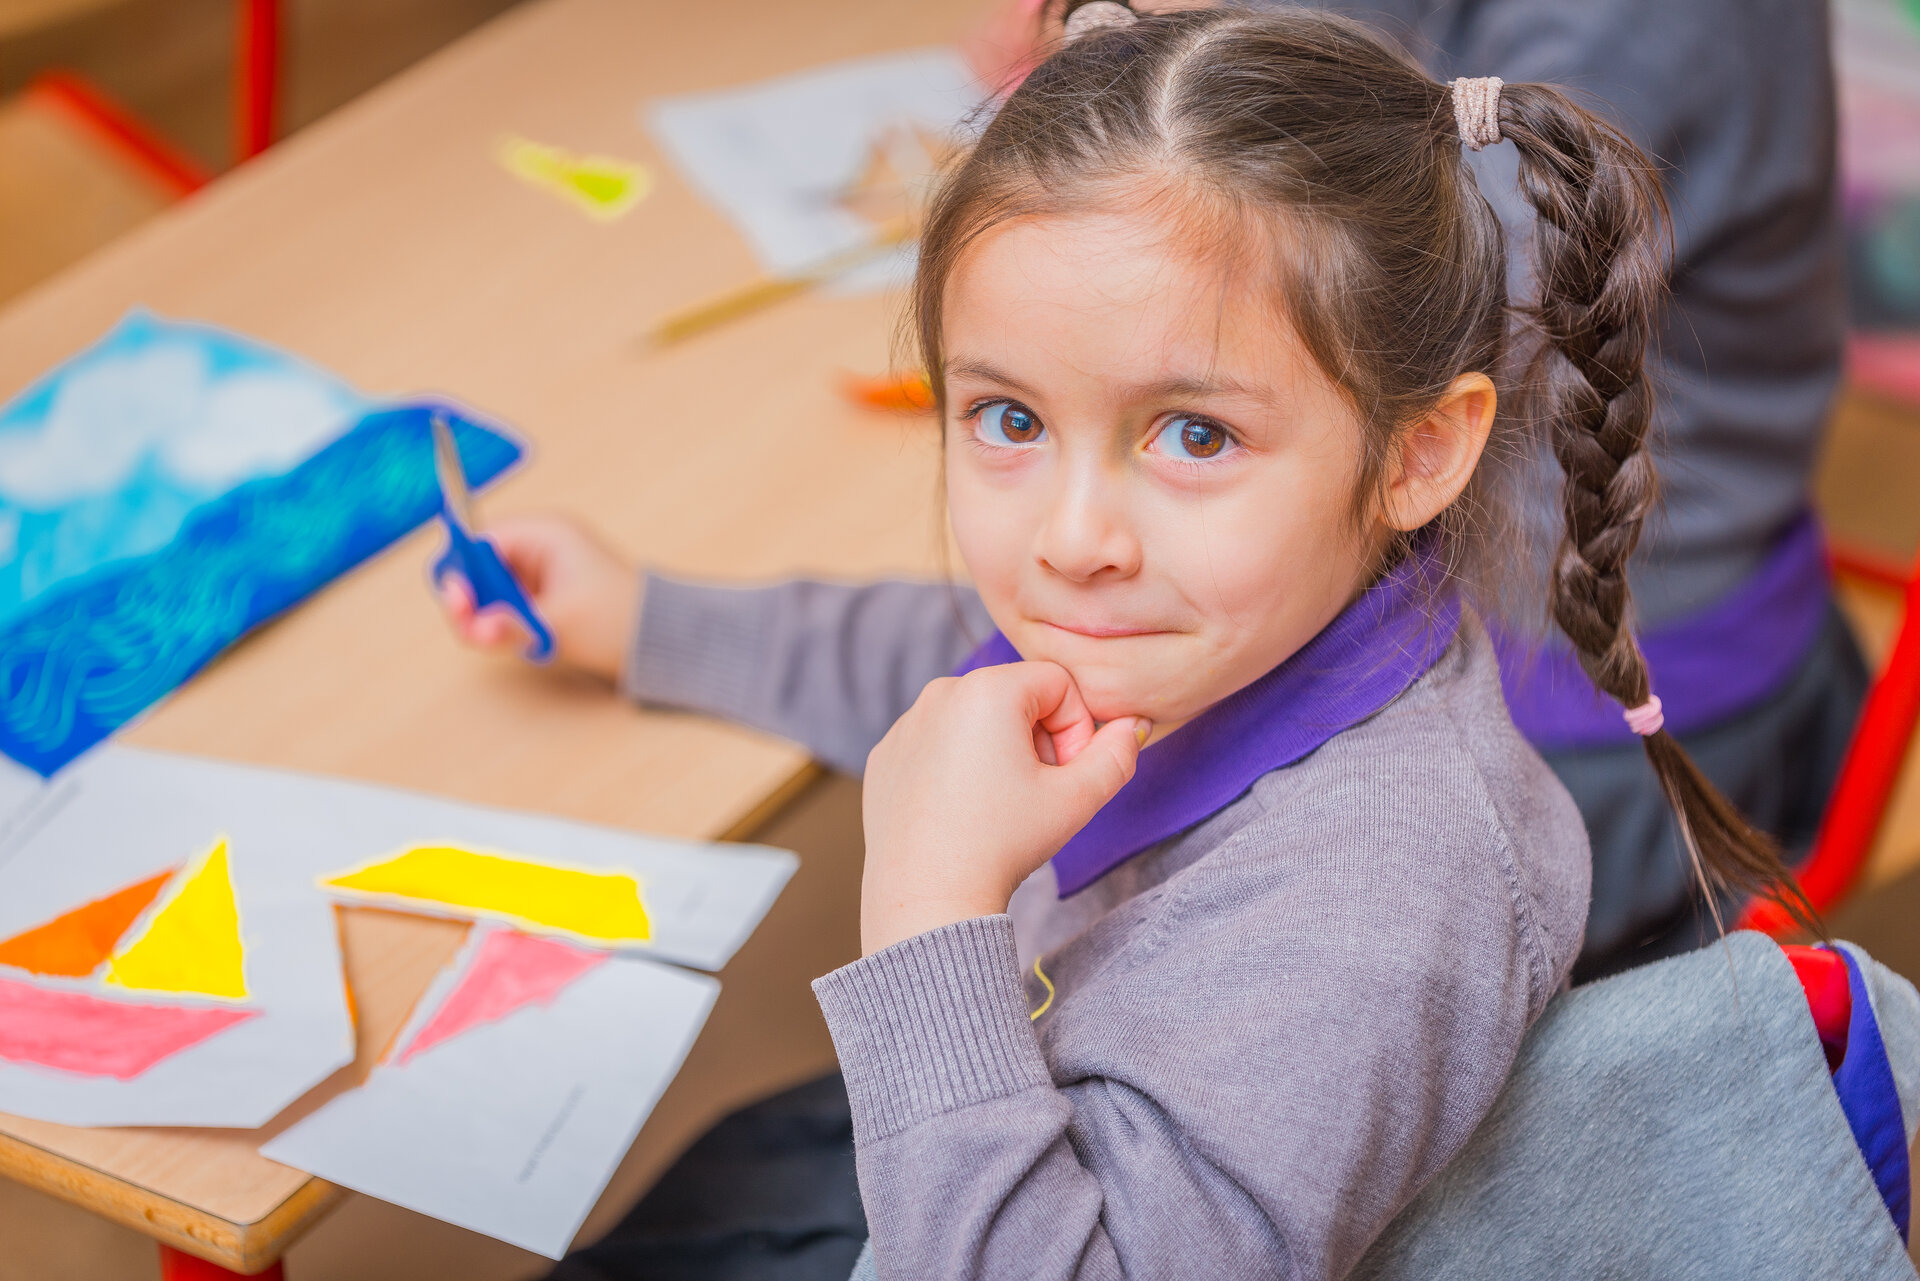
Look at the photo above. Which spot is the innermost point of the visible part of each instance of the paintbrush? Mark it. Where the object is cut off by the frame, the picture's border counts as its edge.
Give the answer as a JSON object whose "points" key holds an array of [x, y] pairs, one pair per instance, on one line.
{"points": [[765, 292]]}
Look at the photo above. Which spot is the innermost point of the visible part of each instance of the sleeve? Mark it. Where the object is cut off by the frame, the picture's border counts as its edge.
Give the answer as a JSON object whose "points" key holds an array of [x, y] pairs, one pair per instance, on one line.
{"points": [[828, 665], [1254, 1092]]}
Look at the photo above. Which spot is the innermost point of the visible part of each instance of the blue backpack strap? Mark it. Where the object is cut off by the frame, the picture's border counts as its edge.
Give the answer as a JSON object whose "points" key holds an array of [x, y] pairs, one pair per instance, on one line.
{"points": [[1864, 1082]]}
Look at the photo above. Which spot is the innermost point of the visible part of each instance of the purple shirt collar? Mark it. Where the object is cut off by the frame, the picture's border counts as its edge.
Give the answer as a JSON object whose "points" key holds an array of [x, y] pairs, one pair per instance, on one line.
{"points": [[1361, 661], [1706, 666]]}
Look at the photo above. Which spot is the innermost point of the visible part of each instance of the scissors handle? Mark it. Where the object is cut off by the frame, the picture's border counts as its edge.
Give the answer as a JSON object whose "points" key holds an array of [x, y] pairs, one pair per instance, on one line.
{"points": [[476, 560]]}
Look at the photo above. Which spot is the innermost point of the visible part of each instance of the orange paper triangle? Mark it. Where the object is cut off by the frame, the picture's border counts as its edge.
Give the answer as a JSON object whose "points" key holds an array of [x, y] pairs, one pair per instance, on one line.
{"points": [[74, 943]]}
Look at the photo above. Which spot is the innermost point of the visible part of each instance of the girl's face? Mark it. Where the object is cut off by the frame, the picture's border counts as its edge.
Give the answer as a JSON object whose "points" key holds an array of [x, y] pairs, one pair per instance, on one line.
{"points": [[1149, 477]]}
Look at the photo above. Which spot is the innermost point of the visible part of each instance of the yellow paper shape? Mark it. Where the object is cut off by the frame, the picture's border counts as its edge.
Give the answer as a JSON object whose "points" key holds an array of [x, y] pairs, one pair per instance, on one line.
{"points": [[596, 906], [601, 185], [192, 944]]}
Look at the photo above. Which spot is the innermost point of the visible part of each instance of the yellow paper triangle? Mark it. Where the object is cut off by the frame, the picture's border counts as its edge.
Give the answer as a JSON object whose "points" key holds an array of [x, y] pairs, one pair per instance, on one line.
{"points": [[596, 906], [192, 944]]}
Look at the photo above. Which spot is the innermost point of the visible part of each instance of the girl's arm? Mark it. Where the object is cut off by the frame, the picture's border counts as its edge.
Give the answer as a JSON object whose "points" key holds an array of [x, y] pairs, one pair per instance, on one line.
{"points": [[827, 665], [1258, 1101]]}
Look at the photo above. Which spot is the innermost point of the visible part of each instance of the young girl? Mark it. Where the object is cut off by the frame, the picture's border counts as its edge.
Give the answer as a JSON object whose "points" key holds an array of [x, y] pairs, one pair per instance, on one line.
{"points": [[1214, 313]]}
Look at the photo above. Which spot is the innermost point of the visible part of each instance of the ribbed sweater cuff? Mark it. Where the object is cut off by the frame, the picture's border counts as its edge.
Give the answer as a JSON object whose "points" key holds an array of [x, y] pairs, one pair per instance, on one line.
{"points": [[932, 1024], [697, 647]]}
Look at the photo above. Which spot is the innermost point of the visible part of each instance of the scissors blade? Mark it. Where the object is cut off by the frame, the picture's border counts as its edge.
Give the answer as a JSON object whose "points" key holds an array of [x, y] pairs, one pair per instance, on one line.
{"points": [[453, 477]]}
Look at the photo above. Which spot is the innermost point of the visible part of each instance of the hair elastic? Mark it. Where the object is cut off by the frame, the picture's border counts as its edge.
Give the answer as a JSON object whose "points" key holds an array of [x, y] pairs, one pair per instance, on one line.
{"points": [[1646, 719], [1476, 109], [1098, 16]]}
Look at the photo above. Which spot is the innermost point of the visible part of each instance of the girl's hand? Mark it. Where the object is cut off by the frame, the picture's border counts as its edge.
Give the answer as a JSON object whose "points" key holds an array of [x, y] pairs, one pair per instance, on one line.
{"points": [[588, 595], [981, 782]]}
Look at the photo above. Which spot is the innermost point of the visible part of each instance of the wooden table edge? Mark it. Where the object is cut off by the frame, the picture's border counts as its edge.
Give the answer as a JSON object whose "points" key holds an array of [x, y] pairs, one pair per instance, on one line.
{"points": [[245, 1248], [248, 1248]]}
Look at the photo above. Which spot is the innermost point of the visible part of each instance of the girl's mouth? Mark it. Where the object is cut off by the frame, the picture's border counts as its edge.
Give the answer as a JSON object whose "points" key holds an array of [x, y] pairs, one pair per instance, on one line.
{"points": [[1104, 631]]}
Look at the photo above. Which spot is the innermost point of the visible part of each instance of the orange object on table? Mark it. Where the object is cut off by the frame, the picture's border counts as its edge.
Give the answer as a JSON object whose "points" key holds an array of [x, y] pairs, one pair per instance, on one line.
{"points": [[908, 394]]}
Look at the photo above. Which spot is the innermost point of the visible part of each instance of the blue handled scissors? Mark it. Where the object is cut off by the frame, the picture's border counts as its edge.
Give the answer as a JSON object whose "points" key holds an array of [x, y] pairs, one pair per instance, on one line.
{"points": [[469, 554]]}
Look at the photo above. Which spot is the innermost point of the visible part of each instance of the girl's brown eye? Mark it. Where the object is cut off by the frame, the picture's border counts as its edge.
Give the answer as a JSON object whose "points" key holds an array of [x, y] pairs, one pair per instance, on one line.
{"points": [[1203, 440], [1188, 437], [1002, 423]]}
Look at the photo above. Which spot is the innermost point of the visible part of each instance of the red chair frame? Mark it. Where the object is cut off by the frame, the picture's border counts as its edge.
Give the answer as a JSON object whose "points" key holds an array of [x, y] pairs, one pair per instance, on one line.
{"points": [[1881, 744], [256, 104]]}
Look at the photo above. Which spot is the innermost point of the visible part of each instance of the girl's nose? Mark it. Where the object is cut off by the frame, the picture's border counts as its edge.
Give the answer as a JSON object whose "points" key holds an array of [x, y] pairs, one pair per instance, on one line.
{"points": [[1086, 534]]}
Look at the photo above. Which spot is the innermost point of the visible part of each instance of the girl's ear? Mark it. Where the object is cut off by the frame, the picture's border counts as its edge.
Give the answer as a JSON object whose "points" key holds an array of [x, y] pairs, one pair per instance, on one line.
{"points": [[1435, 458]]}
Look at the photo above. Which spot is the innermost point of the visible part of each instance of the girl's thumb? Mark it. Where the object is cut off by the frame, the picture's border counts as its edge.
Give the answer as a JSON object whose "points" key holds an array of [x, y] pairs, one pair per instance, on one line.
{"points": [[1106, 763]]}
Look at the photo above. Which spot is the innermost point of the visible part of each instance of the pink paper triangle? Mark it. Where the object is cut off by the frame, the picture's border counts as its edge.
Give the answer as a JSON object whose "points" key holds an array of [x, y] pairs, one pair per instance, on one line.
{"points": [[92, 1036], [508, 971]]}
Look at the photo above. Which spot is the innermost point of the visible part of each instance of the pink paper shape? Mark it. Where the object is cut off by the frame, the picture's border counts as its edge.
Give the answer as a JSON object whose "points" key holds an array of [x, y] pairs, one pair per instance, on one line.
{"points": [[510, 970], [76, 1032]]}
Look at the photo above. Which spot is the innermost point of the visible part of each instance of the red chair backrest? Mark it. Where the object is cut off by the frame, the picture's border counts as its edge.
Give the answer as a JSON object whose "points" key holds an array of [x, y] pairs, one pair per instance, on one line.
{"points": [[1823, 976]]}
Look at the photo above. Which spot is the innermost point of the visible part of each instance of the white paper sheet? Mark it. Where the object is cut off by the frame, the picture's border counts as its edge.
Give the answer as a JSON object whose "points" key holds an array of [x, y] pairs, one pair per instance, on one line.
{"points": [[513, 1127], [121, 814], [18, 787], [109, 822], [776, 156]]}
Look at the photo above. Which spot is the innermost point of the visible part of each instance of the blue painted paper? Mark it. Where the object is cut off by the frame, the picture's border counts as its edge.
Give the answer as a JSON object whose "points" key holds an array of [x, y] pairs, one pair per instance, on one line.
{"points": [[170, 488]]}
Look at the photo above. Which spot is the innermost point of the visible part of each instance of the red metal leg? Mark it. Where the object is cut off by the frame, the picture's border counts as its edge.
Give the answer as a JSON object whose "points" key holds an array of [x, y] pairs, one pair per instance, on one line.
{"points": [[258, 64], [177, 1265], [120, 128], [1849, 561], [1874, 759]]}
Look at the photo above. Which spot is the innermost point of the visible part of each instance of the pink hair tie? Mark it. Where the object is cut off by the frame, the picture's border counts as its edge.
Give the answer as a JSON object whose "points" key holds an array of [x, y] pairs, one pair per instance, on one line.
{"points": [[1098, 16], [1647, 718], [1476, 110]]}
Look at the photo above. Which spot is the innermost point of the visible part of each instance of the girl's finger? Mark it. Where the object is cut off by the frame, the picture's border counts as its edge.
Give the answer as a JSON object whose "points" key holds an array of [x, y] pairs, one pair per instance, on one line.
{"points": [[1103, 766], [457, 599], [527, 548], [1043, 747], [496, 625], [1061, 711]]}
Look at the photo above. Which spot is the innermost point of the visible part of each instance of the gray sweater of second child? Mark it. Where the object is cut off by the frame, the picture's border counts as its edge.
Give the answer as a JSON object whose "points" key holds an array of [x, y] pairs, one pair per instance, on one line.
{"points": [[1240, 1053]]}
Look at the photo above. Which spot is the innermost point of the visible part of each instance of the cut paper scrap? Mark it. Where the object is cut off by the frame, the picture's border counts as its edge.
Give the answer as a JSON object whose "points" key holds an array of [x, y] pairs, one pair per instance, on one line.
{"points": [[602, 907], [73, 944], [192, 944], [809, 165], [510, 970], [602, 186], [904, 162], [86, 1034]]}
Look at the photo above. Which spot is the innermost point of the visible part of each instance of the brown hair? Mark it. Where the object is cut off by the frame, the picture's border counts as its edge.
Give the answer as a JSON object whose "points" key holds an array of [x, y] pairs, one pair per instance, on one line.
{"points": [[1307, 135]]}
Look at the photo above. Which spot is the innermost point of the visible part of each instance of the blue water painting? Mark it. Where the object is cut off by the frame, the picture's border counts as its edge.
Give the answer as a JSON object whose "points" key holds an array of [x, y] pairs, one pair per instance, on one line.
{"points": [[171, 487]]}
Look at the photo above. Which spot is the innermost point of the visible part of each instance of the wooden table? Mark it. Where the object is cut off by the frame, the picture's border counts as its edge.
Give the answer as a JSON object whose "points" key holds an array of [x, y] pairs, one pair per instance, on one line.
{"points": [[387, 244]]}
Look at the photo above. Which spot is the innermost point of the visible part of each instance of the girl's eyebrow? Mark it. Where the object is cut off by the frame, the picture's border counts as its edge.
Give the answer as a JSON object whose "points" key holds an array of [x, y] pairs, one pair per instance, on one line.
{"points": [[1180, 388], [985, 372], [1177, 388]]}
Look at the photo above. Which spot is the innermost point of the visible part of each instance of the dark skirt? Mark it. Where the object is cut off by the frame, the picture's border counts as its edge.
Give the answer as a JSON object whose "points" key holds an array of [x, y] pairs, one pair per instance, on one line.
{"points": [[769, 1194]]}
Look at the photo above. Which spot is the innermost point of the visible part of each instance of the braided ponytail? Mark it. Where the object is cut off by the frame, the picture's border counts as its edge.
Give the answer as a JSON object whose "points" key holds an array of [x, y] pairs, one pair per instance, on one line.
{"points": [[1600, 277]]}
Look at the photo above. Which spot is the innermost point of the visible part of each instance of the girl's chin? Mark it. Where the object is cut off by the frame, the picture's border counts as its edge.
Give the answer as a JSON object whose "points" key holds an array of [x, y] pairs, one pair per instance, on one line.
{"points": [[1112, 702]]}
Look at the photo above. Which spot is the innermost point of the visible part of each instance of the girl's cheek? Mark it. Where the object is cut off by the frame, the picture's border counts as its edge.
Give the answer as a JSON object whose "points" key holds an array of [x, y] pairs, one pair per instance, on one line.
{"points": [[989, 528]]}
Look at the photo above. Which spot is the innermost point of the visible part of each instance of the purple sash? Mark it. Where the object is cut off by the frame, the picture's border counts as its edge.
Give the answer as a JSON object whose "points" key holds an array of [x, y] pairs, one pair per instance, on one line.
{"points": [[1706, 666], [1361, 661]]}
